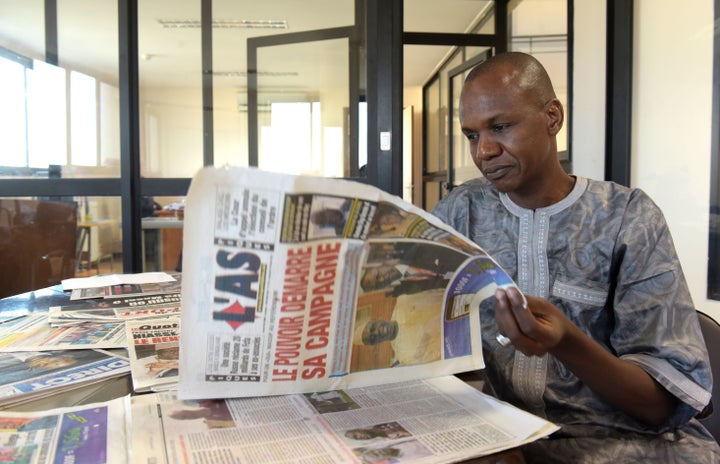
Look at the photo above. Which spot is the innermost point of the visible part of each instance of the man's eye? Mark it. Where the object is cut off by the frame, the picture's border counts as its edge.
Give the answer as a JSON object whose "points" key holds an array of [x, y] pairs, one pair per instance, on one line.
{"points": [[471, 136], [499, 127]]}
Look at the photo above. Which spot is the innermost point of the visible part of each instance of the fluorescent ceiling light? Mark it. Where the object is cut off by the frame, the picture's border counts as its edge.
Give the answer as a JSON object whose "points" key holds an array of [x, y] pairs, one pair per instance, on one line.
{"points": [[225, 23]]}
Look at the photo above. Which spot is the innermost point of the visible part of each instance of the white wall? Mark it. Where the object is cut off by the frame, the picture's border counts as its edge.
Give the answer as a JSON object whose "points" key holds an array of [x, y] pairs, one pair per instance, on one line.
{"points": [[672, 88], [588, 106], [672, 91]]}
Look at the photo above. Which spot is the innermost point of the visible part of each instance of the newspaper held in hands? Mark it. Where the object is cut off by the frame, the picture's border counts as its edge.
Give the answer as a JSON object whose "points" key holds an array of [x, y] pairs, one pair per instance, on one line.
{"points": [[298, 284]]}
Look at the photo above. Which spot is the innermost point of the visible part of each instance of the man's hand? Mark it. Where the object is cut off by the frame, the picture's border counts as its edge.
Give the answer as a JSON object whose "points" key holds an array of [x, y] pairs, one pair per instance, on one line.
{"points": [[534, 329], [540, 327]]}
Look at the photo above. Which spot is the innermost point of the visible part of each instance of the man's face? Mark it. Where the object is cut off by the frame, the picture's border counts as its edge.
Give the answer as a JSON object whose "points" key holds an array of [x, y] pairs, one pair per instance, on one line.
{"points": [[379, 277], [328, 217], [511, 136], [379, 330]]}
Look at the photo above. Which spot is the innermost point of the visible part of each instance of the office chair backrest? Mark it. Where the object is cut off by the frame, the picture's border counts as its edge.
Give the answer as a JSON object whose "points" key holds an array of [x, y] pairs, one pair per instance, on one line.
{"points": [[711, 334]]}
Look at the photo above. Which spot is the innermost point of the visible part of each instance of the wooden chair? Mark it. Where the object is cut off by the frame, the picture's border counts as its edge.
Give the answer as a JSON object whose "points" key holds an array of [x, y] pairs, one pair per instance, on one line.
{"points": [[37, 244]]}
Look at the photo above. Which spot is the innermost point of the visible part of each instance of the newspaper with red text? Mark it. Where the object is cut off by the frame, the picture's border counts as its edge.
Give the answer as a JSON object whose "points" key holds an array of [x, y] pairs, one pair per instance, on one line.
{"points": [[297, 284], [153, 350]]}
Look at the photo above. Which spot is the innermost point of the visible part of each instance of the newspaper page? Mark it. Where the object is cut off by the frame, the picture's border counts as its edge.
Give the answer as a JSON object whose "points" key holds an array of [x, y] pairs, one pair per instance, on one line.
{"points": [[422, 421], [130, 289], [34, 333], [153, 349], [115, 309], [30, 375], [94, 433], [299, 284]]}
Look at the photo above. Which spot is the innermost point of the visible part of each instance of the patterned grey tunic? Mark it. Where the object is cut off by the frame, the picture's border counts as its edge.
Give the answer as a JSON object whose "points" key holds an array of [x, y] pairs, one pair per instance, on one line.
{"points": [[605, 257]]}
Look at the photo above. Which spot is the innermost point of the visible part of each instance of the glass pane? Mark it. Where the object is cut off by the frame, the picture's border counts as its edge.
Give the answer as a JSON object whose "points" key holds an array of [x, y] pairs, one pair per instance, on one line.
{"points": [[546, 40], [99, 238], [446, 16], [463, 166], [83, 120], [162, 233], [45, 240], [433, 191], [13, 142], [171, 132], [301, 127], [88, 55], [433, 125], [46, 113]]}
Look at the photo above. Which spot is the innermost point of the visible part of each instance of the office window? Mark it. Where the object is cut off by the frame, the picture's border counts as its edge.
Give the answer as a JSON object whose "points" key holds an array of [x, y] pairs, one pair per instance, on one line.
{"points": [[83, 120], [47, 115], [13, 144]]}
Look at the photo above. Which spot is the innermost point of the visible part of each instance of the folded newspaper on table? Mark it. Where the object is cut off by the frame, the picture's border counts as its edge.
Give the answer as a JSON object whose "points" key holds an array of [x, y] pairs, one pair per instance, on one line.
{"points": [[153, 349], [33, 332], [29, 375], [298, 284], [115, 309], [438, 420], [94, 433]]}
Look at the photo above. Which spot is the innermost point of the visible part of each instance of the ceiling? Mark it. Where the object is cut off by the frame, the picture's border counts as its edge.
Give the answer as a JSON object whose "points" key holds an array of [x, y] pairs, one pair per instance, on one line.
{"points": [[170, 57]]}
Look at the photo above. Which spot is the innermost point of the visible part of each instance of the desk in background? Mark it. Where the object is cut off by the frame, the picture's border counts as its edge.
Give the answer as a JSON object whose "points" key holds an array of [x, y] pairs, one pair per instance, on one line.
{"points": [[84, 246], [162, 243]]}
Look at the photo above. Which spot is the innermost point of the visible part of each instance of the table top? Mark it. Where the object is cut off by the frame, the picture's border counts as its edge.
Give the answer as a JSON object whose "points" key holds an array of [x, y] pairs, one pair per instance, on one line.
{"points": [[162, 223]]}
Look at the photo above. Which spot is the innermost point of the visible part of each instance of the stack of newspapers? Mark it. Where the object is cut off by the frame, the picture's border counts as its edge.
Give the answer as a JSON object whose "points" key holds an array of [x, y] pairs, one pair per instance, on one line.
{"points": [[323, 320]]}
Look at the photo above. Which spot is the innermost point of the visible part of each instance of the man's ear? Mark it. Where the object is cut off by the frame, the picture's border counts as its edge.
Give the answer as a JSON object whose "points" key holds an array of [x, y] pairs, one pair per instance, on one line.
{"points": [[555, 116]]}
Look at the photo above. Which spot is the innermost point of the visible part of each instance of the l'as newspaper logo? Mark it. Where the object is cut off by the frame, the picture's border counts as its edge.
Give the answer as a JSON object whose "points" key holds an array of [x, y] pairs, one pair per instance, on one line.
{"points": [[238, 282]]}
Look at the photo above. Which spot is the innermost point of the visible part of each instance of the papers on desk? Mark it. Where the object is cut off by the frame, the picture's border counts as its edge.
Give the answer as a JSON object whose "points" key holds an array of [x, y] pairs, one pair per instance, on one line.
{"points": [[29, 375], [34, 333], [82, 434], [130, 289], [425, 421], [154, 350], [439, 420], [115, 309], [116, 279]]}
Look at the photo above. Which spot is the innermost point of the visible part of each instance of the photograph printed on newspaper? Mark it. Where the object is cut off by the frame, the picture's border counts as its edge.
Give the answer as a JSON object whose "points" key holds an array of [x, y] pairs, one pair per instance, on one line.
{"points": [[300, 284]]}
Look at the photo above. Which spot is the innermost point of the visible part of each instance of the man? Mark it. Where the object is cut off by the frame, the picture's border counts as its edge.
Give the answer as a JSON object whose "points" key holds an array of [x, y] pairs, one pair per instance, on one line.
{"points": [[400, 279], [332, 218], [608, 345], [413, 330]]}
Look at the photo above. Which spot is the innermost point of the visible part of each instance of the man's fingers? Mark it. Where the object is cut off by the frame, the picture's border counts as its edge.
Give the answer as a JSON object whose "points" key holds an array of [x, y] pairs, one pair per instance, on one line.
{"points": [[504, 316]]}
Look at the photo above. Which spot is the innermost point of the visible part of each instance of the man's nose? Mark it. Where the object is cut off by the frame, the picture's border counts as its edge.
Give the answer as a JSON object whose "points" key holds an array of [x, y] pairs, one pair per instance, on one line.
{"points": [[487, 147]]}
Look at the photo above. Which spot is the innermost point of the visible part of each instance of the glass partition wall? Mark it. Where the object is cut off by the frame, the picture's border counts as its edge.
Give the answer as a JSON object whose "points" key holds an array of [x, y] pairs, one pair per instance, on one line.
{"points": [[113, 106]]}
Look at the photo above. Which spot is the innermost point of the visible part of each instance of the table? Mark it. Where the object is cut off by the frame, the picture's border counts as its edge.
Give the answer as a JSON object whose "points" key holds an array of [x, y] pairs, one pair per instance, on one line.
{"points": [[85, 237], [40, 300], [162, 242]]}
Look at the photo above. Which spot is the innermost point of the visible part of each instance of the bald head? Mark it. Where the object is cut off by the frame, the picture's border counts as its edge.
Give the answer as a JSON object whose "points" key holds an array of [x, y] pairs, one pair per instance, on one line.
{"points": [[520, 71]]}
